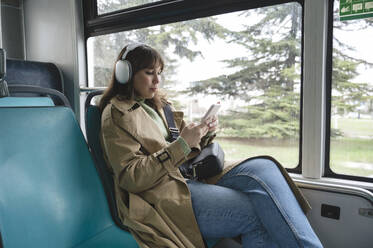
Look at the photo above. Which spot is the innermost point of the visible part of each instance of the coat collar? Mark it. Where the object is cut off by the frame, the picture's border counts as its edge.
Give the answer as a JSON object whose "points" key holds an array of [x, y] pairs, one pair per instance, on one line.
{"points": [[123, 105], [139, 124]]}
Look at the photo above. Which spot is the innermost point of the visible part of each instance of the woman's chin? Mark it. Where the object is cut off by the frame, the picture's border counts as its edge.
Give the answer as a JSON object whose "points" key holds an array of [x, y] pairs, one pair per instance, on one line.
{"points": [[149, 96]]}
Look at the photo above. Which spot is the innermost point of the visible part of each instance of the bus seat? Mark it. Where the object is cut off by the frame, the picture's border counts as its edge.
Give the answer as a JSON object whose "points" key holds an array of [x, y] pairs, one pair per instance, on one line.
{"points": [[33, 74], [26, 101], [45, 75], [50, 191], [93, 127]]}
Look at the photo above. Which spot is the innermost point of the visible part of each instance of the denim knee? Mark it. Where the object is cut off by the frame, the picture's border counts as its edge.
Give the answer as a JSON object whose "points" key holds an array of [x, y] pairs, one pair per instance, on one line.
{"points": [[273, 200], [260, 163], [262, 168]]}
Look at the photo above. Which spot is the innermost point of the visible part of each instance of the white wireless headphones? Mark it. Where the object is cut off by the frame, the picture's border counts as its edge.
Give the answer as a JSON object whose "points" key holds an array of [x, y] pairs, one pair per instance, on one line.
{"points": [[123, 68]]}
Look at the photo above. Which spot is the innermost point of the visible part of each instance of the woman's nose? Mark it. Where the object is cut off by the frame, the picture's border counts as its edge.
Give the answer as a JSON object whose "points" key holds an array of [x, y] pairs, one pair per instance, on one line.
{"points": [[156, 79]]}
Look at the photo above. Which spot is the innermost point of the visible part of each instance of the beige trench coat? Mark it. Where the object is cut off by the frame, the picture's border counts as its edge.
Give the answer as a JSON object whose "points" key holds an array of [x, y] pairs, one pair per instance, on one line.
{"points": [[152, 196]]}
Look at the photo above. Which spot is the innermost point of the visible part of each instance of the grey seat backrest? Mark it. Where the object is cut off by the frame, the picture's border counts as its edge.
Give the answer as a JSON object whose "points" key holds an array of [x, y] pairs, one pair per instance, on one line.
{"points": [[45, 75]]}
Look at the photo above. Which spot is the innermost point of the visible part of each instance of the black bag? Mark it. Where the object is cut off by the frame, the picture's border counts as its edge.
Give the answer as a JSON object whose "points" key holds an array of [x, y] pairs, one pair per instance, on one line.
{"points": [[208, 163]]}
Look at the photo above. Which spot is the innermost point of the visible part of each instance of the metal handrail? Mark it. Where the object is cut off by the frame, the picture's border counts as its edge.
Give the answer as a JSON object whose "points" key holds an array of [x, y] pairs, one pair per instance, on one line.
{"points": [[90, 89], [20, 88], [366, 194]]}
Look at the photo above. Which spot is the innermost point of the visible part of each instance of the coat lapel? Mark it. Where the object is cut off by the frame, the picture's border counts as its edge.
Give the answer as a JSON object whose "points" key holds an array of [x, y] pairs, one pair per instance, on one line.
{"points": [[140, 125]]}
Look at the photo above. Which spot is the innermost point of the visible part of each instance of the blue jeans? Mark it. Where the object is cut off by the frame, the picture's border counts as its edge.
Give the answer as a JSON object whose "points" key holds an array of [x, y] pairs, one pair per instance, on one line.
{"points": [[253, 201]]}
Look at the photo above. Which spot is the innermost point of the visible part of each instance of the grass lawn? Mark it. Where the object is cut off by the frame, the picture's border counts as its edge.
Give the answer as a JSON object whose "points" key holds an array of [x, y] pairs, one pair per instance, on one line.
{"points": [[353, 153], [287, 154], [354, 127], [352, 156], [348, 155]]}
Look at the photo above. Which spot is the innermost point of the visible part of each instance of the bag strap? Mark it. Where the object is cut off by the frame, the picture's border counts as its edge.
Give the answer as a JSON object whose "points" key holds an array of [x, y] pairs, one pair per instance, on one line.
{"points": [[184, 168], [174, 132]]}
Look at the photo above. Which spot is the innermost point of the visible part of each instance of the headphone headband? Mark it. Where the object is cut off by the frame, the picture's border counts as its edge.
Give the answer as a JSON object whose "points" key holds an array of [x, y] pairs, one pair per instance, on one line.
{"points": [[131, 47]]}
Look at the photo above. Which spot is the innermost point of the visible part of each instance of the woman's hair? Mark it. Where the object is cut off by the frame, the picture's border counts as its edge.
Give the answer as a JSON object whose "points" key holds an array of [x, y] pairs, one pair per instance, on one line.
{"points": [[141, 57]]}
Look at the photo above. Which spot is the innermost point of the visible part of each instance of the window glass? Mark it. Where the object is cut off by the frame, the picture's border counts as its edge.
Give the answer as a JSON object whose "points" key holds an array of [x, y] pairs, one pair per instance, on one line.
{"points": [[351, 139], [106, 6], [249, 61]]}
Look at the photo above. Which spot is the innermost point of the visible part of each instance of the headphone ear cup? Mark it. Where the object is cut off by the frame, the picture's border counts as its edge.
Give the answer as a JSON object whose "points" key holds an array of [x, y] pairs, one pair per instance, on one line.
{"points": [[123, 71]]}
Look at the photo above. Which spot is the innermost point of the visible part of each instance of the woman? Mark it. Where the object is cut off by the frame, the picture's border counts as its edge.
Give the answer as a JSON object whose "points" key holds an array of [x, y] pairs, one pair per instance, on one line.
{"points": [[251, 199]]}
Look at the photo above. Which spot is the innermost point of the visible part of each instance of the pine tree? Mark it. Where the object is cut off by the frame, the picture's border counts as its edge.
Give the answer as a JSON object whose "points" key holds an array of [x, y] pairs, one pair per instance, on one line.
{"points": [[349, 95], [268, 77]]}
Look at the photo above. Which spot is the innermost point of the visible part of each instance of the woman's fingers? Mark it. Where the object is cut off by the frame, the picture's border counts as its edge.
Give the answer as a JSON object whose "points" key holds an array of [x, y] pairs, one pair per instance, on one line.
{"points": [[212, 123], [193, 133], [203, 127]]}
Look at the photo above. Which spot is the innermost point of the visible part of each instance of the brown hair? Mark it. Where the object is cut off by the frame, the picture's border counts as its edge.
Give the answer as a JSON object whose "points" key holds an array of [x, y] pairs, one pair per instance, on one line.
{"points": [[140, 58]]}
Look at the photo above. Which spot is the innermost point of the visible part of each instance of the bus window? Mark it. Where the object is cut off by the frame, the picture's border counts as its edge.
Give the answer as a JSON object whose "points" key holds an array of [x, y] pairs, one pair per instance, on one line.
{"points": [[351, 123], [249, 61], [107, 6]]}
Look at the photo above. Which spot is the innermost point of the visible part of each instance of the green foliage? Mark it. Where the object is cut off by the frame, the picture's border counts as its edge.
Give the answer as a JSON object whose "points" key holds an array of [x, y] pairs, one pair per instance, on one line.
{"points": [[348, 95], [253, 129], [273, 71], [267, 78]]}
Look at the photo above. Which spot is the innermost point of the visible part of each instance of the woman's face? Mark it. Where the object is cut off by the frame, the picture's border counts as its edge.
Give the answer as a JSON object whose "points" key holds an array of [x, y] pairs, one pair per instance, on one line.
{"points": [[146, 82]]}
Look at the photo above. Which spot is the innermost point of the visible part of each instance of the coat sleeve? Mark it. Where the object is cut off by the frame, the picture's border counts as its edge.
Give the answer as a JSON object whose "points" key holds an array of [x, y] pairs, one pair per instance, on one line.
{"points": [[134, 170]]}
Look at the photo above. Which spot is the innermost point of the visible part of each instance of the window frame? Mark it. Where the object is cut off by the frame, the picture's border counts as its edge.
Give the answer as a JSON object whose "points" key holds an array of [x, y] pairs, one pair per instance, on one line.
{"points": [[328, 172], [169, 11], [146, 5], [162, 13]]}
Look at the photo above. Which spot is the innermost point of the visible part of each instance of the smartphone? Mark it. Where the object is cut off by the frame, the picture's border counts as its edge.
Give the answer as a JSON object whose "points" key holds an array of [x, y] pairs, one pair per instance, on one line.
{"points": [[213, 110]]}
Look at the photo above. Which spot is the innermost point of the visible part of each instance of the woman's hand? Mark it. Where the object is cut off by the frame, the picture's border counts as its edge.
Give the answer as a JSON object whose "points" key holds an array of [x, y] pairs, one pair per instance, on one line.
{"points": [[192, 133], [212, 123]]}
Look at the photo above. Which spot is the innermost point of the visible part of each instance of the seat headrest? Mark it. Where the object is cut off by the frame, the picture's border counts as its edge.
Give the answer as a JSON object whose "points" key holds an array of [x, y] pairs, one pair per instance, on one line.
{"points": [[46, 75]]}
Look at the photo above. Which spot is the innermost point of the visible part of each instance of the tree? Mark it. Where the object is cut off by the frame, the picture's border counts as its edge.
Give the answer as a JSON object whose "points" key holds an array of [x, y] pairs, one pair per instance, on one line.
{"points": [[348, 95], [267, 79]]}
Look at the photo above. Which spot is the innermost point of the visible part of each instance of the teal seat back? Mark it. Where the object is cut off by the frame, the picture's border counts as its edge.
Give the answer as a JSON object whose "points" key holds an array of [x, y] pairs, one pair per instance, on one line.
{"points": [[93, 127], [25, 101], [50, 192]]}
